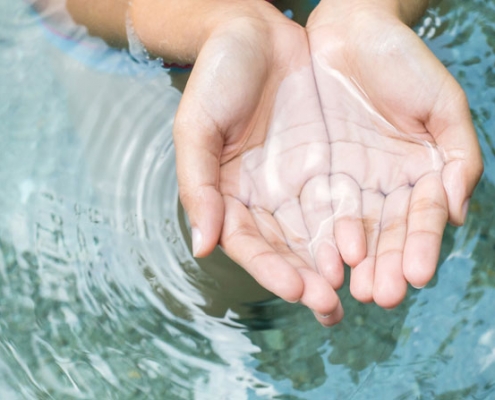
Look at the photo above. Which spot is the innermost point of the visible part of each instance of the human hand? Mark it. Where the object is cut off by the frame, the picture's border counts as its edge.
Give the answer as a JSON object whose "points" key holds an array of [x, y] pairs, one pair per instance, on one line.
{"points": [[405, 158], [252, 154]]}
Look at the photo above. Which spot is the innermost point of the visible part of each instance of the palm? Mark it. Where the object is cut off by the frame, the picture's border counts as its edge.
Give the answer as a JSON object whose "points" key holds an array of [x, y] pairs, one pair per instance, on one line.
{"points": [[270, 159], [285, 182], [385, 174], [388, 164]]}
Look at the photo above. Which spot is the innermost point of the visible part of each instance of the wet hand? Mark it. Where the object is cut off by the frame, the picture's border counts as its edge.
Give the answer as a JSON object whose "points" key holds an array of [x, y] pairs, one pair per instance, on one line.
{"points": [[405, 157], [253, 154]]}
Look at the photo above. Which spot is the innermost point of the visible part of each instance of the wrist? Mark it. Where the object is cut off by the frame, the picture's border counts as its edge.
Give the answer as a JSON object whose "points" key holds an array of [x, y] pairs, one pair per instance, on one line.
{"points": [[407, 12]]}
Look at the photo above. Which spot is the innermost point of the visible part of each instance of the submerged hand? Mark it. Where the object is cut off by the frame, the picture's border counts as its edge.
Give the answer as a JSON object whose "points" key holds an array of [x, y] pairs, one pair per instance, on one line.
{"points": [[405, 157], [252, 152]]}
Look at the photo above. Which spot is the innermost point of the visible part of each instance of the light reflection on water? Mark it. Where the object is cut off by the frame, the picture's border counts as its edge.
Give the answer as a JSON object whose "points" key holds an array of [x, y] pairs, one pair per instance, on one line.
{"points": [[100, 297]]}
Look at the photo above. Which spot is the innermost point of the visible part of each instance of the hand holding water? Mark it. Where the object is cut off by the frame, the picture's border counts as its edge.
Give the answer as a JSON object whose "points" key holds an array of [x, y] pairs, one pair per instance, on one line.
{"points": [[362, 149], [400, 160], [251, 143], [404, 150]]}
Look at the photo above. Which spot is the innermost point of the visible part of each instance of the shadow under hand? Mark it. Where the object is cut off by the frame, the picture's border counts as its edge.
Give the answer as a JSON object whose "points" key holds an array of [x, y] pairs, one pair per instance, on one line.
{"points": [[230, 288]]}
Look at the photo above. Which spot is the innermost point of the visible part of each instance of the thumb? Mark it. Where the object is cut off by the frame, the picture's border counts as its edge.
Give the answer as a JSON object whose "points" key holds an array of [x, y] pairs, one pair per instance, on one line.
{"points": [[456, 135], [198, 148]]}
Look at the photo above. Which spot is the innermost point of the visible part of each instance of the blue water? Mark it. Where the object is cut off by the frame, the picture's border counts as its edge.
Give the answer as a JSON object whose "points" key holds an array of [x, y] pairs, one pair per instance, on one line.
{"points": [[100, 297]]}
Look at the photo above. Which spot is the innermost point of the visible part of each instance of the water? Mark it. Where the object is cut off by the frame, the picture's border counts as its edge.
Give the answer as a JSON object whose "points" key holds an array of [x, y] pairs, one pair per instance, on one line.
{"points": [[100, 297]]}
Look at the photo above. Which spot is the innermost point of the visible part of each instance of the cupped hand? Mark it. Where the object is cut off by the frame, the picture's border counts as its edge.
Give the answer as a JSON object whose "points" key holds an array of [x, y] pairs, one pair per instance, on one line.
{"points": [[404, 153], [253, 156]]}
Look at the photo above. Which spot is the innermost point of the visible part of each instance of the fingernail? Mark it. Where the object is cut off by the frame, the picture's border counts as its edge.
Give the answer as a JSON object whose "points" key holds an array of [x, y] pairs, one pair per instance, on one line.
{"points": [[418, 287], [197, 241], [465, 208], [324, 316]]}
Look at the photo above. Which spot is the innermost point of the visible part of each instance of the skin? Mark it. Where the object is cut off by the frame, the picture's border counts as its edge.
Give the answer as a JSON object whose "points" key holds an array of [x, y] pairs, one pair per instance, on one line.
{"points": [[217, 129], [407, 120], [299, 148]]}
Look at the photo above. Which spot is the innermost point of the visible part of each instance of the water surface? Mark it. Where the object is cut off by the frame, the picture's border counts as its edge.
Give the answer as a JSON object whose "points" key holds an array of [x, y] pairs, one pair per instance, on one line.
{"points": [[100, 297]]}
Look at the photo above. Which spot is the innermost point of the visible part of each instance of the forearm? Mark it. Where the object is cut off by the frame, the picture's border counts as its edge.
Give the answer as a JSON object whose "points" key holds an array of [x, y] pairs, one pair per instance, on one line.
{"points": [[102, 18], [171, 29]]}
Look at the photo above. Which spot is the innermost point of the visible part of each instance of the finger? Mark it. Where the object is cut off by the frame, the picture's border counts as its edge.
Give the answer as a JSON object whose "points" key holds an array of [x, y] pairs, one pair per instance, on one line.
{"points": [[428, 214], [452, 127], [390, 285], [242, 241], [290, 219], [349, 230], [320, 297], [198, 146], [460, 177], [318, 294], [330, 319], [316, 205], [363, 275], [271, 231]]}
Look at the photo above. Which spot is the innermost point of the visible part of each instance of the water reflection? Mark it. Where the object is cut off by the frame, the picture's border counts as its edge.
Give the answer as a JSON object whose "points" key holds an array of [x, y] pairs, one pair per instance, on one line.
{"points": [[101, 298]]}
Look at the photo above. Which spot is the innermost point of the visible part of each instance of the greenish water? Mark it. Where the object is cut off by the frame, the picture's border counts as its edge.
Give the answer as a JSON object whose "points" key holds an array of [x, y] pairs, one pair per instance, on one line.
{"points": [[100, 297]]}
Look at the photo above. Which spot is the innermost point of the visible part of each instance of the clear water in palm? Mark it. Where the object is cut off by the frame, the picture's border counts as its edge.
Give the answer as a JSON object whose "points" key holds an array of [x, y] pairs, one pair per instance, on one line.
{"points": [[100, 297]]}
